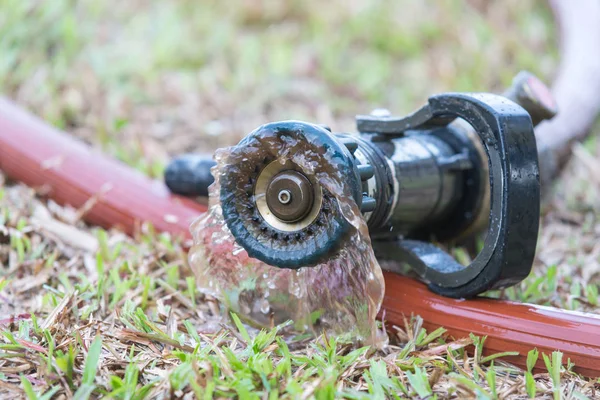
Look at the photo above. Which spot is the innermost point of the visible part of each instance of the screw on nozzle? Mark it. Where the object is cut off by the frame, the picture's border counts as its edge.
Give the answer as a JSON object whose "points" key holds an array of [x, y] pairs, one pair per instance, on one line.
{"points": [[533, 95], [290, 196], [285, 196]]}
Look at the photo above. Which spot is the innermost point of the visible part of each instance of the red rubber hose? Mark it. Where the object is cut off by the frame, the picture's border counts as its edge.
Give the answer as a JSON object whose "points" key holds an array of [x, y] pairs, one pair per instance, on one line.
{"points": [[70, 172]]}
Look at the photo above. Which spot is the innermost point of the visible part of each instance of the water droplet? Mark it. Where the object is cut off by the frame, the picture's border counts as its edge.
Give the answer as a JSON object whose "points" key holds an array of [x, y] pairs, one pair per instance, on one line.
{"points": [[265, 307]]}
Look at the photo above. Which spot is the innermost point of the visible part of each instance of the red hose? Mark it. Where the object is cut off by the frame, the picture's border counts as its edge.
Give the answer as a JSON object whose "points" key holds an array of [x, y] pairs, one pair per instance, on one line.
{"points": [[508, 326], [71, 173]]}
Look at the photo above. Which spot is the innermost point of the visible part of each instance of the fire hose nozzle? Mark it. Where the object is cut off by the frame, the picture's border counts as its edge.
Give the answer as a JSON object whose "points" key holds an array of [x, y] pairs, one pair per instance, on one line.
{"points": [[461, 163]]}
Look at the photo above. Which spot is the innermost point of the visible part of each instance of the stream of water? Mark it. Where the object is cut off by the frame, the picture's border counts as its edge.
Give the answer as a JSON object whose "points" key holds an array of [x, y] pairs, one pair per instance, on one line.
{"points": [[340, 296]]}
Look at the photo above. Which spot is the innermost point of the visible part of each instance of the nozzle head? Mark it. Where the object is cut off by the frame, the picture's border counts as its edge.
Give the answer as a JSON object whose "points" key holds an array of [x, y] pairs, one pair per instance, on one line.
{"points": [[273, 198]]}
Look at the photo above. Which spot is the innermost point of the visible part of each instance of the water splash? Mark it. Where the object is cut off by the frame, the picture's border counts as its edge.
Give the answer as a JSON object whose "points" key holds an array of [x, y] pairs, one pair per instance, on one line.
{"points": [[340, 296]]}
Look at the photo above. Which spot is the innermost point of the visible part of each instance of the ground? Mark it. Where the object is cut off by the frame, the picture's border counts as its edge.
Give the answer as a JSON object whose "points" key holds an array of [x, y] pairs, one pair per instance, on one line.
{"points": [[91, 313]]}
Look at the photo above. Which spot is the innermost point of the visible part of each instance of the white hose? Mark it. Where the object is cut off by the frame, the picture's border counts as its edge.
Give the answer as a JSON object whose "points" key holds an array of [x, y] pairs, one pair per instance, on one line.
{"points": [[577, 84]]}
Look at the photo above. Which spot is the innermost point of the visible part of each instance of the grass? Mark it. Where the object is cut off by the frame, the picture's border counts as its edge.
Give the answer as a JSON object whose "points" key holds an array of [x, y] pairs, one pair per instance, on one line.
{"points": [[97, 314]]}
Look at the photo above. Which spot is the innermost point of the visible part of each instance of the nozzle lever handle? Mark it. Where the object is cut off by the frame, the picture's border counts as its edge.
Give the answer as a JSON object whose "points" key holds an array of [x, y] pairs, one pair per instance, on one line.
{"points": [[506, 131]]}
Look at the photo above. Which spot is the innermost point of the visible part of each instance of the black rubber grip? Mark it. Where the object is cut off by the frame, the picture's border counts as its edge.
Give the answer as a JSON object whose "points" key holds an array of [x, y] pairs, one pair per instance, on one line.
{"points": [[189, 175]]}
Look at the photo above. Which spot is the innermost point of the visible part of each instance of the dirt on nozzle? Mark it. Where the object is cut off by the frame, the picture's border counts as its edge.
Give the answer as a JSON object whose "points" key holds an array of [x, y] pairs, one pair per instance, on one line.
{"points": [[341, 296]]}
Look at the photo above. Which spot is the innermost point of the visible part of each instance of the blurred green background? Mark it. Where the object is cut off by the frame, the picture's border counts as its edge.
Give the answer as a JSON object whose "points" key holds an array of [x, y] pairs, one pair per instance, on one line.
{"points": [[145, 79]]}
